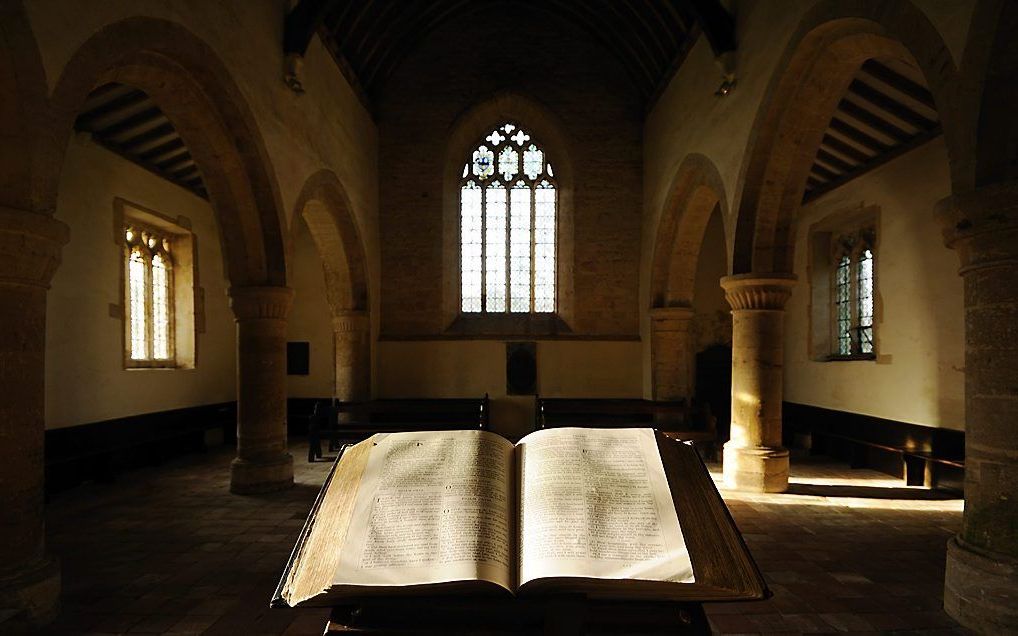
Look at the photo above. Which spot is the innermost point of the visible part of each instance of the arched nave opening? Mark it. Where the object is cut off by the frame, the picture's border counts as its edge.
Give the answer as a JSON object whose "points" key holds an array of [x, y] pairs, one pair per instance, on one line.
{"points": [[334, 283], [816, 76]]}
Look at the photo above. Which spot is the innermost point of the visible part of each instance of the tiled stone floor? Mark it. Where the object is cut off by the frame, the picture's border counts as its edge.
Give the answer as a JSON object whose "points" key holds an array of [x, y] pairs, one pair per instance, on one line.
{"points": [[169, 550]]}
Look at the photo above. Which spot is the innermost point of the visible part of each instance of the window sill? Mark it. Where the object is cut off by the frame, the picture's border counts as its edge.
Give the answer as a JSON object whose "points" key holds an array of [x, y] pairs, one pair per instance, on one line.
{"points": [[851, 358], [500, 326]]}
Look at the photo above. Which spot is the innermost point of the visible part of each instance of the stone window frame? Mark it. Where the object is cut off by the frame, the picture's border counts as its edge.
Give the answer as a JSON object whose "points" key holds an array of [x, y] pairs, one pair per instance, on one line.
{"points": [[827, 243], [462, 139], [187, 315]]}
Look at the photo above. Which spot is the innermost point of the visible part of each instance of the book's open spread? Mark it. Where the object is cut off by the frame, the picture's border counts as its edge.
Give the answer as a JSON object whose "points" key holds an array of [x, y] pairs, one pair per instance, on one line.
{"points": [[579, 510]]}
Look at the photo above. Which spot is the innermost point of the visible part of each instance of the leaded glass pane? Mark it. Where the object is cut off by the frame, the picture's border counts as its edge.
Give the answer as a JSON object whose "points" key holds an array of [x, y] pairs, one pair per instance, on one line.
{"points": [[136, 283], [471, 224], [484, 163], [520, 137], [160, 307], [533, 161], [494, 245], [842, 305], [544, 247], [508, 163], [519, 248], [865, 301]]}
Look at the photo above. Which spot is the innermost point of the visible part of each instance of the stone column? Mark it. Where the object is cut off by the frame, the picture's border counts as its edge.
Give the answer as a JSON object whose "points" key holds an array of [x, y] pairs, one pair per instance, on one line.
{"points": [[754, 458], [671, 351], [352, 334], [262, 463], [30, 246], [981, 582]]}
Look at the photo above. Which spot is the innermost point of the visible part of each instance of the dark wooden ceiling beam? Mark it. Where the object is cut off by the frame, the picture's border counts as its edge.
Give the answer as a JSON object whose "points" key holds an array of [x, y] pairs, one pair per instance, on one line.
{"points": [[824, 173], [888, 105], [833, 162], [133, 122], [87, 120], [858, 136], [163, 150], [900, 83], [149, 139], [872, 120], [833, 144]]}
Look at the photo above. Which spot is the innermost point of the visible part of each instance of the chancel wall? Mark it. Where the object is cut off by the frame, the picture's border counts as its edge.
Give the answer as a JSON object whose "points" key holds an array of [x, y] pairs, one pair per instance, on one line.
{"points": [[597, 114]]}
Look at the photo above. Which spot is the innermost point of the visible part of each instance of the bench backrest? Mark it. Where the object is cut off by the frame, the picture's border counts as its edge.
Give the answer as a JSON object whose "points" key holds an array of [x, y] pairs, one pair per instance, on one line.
{"points": [[412, 412], [613, 413]]}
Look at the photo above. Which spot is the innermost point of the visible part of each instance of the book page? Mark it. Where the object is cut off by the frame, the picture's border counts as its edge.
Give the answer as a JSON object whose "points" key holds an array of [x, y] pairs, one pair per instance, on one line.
{"points": [[432, 507], [595, 503]]}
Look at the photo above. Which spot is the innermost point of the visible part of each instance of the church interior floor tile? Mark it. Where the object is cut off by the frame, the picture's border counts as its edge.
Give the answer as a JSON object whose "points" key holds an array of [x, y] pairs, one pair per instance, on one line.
{"points": [[168, 550]]}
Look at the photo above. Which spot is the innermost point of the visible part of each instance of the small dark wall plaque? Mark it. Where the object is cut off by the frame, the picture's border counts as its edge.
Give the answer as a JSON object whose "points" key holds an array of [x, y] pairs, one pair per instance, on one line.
{"points": [[521, 368], [298, 358]]}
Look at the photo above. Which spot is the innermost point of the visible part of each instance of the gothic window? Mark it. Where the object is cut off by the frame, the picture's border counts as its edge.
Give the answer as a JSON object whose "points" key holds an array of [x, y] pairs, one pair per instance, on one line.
{"points": [[852, 294], [508, 209], [149, 289]]}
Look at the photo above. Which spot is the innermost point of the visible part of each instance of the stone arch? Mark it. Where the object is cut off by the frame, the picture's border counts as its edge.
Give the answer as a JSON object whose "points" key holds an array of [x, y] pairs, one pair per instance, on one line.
{"points": [[696, 192], [192, 86], [24, 110], [831, 43], [468, 128], [991, 61], [325, 207]]}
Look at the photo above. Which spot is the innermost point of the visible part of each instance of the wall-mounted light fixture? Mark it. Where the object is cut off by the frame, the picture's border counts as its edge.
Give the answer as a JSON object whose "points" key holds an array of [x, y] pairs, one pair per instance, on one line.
{"points": [[727, 63]]}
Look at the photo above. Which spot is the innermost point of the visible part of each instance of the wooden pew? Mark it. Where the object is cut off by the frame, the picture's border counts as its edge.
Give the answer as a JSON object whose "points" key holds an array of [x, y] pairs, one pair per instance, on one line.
{"points": [[676, 419], [353, 421], [919, 467]]}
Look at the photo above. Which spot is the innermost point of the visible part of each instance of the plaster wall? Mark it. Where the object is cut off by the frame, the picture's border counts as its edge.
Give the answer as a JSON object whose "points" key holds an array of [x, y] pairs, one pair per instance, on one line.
{"points": [[471, 368], [85, 376], [918, 376], [310, 318]]}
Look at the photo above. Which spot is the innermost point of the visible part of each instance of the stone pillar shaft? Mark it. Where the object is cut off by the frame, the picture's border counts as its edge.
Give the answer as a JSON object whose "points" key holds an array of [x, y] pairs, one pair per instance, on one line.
{"points": [[671, 352], [352, 333], [262, 463], [754, 458], [30, 247], [981, 584]]}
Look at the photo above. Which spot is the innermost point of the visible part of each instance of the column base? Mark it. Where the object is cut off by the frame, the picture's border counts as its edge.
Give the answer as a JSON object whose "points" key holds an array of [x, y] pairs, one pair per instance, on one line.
{"points": [[980, 589], [756, 468], [253, 477], [34, 591]]}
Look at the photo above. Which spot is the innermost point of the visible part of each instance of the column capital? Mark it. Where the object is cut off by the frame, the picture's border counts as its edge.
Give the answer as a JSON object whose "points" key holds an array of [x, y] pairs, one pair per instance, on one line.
{"points": [[982, 225], [767, 291], [663, 317], [261, 302], [30, 244], [351, 321]]}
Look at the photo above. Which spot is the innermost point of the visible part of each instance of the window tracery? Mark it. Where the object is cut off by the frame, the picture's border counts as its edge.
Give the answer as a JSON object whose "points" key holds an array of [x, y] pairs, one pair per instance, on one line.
{"points": [[508, 209], [149, 285], [852, 297]]}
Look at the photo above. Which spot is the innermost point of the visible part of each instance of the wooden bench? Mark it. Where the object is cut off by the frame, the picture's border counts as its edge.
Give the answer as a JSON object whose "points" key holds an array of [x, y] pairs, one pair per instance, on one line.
{"points": [[919, 467], [338, 422], [676, 419]]}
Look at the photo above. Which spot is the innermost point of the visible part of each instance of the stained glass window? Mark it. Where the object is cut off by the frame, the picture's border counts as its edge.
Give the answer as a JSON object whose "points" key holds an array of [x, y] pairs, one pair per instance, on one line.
{"points": [[507, 226], [853, 294], [149, 291]]}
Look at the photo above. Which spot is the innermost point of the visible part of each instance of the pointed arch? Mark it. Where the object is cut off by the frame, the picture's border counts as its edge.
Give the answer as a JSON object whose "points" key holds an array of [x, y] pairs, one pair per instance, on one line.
{"points": [[991, 63], [24, 113], [472, 125], [696, 191], [324, 205], [192, 86], [831, 43]]}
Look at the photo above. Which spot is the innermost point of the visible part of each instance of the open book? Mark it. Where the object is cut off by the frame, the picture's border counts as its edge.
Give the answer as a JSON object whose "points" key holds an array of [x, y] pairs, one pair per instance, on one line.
{"points": [[619, 513]]}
